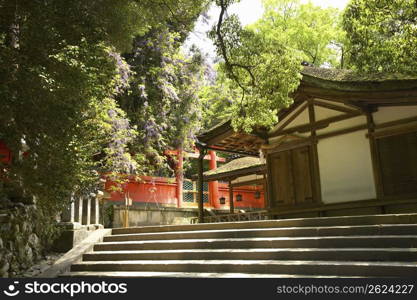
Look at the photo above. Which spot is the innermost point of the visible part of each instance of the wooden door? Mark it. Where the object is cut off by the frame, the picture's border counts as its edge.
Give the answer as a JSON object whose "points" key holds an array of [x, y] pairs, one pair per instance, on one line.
{"points": [[302, 175], [282, 180], [291, 181], [398, 164]]}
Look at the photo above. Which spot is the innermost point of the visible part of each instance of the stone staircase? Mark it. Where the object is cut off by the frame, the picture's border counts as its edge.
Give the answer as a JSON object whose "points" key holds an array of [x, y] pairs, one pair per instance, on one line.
{"points": [[351, 246]]}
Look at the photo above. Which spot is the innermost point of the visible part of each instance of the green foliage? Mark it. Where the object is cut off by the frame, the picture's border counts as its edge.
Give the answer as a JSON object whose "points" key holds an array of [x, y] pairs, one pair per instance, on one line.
{"points": [[311, 29], [381, 35], [264, 69], [217, 99], [60, 73], [163, 98]]}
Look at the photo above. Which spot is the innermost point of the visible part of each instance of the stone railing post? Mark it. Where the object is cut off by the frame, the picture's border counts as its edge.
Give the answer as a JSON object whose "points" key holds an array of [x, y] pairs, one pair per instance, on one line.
{"points": [[67, 215], [95, 211], [79, 210], [86, 216]]}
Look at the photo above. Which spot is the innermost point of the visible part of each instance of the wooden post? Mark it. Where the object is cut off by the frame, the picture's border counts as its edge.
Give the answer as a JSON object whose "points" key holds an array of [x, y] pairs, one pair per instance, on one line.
{"points": [[314, 153], [201, 185], [266, 194], [231, 204], [374, 156], [179, 177]]}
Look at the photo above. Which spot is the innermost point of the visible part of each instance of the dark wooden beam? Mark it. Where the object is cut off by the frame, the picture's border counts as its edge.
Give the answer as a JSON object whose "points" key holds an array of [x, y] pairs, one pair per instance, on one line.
{"points": [[403, 129], [342, 131], [243, 153], [396, 123], [220, 137], [335, 107], [318, 125], [236, 173], [366, 97]]}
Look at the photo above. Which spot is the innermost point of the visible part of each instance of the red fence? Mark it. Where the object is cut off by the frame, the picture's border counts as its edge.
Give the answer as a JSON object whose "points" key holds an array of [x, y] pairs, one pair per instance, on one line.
{"points": [[162, 192]]}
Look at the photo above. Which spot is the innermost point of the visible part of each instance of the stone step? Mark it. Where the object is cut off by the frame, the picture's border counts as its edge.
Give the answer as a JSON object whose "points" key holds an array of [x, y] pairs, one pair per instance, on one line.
{"points": [[388, 229], [183, 275], [334, 254], [303, 222], [305, 267], [388, 241]]}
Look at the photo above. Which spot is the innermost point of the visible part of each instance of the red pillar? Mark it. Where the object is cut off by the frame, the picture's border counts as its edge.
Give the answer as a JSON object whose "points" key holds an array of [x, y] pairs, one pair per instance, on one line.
{"points": [[213, 185], [179, 177]]}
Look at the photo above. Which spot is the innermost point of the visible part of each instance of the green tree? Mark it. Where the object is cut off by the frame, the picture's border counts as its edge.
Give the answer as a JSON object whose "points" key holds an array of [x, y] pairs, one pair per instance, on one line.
{"points": [[381, 35], [313, 30], [217, 98], [264, 69], [162, 100], [60, 73]]}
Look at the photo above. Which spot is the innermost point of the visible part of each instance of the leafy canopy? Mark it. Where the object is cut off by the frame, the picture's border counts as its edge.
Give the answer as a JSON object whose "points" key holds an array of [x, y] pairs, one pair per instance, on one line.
{"points": [[313, 30], [60, 74], [381, 35], [264, 70]]}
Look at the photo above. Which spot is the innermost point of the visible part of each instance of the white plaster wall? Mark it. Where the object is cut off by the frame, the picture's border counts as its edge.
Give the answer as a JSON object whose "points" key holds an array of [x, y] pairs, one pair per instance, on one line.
{"points": [[324, 113], [346, 168], [359, 120], [388, 114]]}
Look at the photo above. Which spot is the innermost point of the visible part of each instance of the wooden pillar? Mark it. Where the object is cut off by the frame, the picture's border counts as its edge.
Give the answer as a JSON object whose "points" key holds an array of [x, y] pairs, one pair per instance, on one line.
{"points": [[231, 202], [213, 185], [314, 153], [266, 194], [374, 155], [200, 185], [179, 177]]}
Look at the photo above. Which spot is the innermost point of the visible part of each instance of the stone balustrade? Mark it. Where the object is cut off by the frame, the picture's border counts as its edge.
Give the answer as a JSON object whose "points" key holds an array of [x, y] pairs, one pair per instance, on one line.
{"points": [[82, 210]]}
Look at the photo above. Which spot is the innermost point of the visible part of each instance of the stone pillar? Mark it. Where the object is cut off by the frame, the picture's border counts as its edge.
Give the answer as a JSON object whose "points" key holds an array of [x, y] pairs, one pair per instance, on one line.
{"points": [[86, 216], [79, 210], [95, 211], [67, 214]]}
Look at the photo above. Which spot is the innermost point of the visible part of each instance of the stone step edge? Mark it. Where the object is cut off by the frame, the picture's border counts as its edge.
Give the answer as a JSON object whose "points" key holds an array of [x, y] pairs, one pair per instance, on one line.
{"points": [[252, 262], [122, 274], [379, 226], [384, 216], [253, 250], [394, 237]]}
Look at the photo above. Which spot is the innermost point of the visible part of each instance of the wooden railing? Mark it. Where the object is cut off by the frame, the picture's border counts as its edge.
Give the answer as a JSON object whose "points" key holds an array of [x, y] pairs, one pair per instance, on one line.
{"points": [[319, 210]]}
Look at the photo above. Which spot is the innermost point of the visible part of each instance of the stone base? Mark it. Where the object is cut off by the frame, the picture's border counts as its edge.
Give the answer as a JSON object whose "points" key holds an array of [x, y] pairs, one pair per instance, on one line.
{"points": [[72, 235]]}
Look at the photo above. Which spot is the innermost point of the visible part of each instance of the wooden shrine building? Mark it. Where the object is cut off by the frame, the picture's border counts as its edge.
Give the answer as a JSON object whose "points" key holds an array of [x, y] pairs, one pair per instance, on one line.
{"points": [[347, 145]]}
